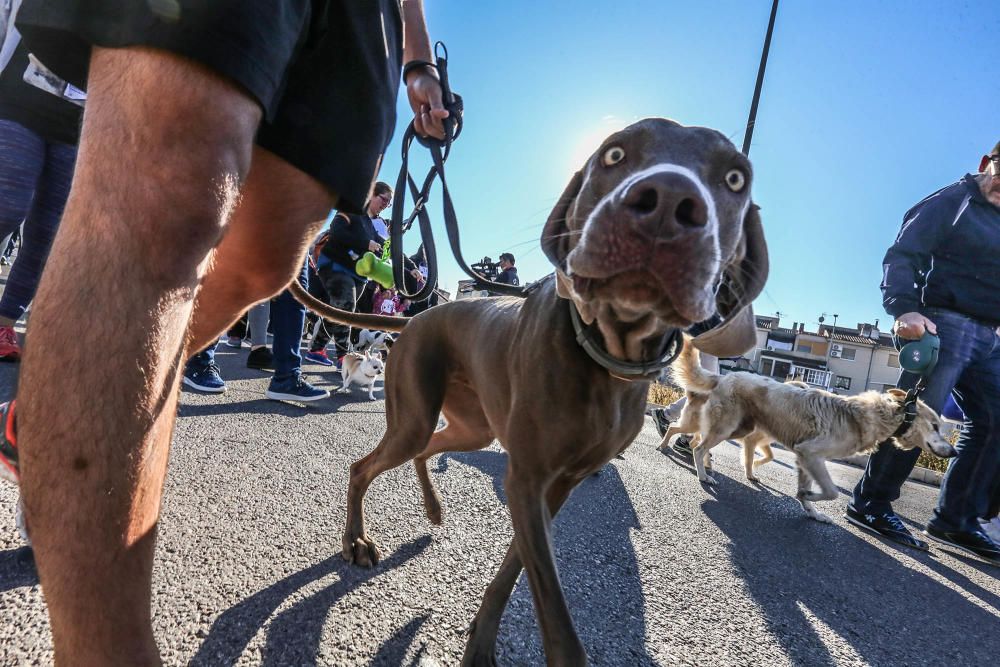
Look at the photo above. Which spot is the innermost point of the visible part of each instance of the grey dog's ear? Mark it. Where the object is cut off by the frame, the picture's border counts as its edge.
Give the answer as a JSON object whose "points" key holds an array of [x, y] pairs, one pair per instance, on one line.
{"points": [[746, 274], [555, 234], [742, 281]]}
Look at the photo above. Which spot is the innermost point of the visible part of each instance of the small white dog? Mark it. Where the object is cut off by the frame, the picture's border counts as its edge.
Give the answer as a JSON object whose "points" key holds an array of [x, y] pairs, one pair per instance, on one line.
{"points": [[373, 340], [361, 369]]}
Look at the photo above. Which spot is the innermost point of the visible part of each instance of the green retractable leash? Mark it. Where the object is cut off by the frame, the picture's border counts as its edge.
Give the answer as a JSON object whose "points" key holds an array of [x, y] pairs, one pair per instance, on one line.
{"points": [[918, 357]]}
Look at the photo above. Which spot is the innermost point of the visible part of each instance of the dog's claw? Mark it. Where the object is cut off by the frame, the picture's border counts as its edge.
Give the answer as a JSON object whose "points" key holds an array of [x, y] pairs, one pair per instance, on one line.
{"points": [[709, 480]]}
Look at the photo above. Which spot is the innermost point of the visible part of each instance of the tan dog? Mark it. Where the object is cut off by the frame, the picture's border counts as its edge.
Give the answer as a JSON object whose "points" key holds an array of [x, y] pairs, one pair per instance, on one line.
{"points": [[751, 439], [656, 232], [815, 424]]}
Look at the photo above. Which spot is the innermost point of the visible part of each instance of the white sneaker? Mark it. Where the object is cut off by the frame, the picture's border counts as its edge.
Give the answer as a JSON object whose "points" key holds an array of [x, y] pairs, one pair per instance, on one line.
{"points": [[991, 528]]}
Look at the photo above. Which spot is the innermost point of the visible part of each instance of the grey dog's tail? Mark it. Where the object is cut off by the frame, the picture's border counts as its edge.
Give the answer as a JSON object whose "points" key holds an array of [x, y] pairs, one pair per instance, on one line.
{"points": [[688, 373], [360, 320]]}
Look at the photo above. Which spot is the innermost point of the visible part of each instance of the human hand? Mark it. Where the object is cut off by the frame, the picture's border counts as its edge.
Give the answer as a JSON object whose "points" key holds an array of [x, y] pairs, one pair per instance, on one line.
{"points": [[912, 326], [375, 247], [415, 273], [423, 88]]}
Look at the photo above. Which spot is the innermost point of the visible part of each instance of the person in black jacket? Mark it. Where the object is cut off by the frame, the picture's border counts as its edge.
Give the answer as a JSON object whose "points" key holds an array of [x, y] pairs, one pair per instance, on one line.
{"points": [[942, 275], [351, 236], [508, 272]]}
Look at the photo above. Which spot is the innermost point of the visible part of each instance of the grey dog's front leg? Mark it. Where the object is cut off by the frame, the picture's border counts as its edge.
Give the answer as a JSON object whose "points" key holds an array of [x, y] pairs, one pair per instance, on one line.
{"points": [[532, 519], [481, 647]]}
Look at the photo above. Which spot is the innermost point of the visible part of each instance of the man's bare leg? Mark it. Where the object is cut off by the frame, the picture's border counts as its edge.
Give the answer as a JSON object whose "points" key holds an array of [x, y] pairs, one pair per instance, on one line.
{"points": [[164, 147], [280, 211]]}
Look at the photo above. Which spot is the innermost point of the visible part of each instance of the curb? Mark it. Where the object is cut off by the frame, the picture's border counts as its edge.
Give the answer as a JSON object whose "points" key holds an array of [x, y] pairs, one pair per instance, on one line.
{"points": [[924, 475]]}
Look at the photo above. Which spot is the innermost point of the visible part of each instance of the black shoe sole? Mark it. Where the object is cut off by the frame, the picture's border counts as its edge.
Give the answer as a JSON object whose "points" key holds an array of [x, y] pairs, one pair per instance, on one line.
{"points": [[965, 550], [920, 546]]}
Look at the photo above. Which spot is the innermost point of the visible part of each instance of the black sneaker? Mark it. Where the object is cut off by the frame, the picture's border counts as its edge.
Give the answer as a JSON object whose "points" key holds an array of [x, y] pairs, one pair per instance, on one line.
{"points": [[974, 542], [661, 421], [261, 359], [886, 525], [682, 445]]}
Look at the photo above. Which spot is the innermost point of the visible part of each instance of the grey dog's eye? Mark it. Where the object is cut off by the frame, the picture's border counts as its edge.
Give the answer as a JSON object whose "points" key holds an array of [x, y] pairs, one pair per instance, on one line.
{"points": [[613, 156], [736, 180]]}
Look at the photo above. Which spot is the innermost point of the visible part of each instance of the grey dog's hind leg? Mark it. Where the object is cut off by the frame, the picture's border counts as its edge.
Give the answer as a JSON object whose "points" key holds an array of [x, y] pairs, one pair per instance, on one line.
{"points": [[414, 394], [467, 430]]}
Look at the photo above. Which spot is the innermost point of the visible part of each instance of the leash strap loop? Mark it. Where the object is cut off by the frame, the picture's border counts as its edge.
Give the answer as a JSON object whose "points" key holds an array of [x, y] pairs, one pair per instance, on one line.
{"points": [[439, 150]]}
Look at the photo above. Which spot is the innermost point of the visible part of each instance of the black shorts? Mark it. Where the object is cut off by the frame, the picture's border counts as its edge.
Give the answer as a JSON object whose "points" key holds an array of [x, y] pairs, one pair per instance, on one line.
{"points": [[326, 72]]}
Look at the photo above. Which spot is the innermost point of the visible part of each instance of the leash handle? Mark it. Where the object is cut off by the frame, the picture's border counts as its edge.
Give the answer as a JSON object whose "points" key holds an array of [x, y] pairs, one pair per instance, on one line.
{"points": [[440, 149]]}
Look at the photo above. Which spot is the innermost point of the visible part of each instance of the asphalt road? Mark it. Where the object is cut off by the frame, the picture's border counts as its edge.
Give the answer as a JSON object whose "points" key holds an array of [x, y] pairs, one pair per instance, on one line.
{"points": [[657, 568]]}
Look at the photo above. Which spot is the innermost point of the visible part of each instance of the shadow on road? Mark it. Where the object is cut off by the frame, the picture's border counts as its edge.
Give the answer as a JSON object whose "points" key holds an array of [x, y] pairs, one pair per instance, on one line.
{"points": [[393, 650], [293, 636], [597, 566], [804, 575]]}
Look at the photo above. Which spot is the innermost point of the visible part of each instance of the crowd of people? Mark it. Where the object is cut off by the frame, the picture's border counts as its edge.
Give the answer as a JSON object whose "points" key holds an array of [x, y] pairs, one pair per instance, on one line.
{"points": [[201, 178]]}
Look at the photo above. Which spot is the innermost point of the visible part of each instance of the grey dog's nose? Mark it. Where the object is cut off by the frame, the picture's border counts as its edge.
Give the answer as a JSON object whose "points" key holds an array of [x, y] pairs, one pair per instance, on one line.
{"points": [[951, 453], [665, 204]]}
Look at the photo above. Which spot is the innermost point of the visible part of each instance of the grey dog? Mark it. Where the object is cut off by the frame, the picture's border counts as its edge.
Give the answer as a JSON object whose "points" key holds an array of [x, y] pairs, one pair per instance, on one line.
{"points": [[657, 231]]}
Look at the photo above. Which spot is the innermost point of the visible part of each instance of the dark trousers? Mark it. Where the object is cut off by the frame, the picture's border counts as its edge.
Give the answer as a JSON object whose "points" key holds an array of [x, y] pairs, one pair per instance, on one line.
{"points": [[35, 176], [203, 359], [287, 318], [969, 368], [342, 289]]}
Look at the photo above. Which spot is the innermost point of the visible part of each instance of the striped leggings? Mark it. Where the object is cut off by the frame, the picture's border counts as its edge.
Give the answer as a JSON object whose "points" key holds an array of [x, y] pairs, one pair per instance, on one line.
{"points": [[35, 176]]}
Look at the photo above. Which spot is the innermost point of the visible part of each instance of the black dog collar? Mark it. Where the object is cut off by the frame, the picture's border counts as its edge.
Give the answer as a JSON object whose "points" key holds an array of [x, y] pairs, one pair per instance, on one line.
{"points": [[589, 339], [909, 409]]}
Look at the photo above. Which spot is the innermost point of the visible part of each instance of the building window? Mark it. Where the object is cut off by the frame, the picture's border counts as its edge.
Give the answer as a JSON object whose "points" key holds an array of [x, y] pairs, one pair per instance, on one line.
{"points": [[893, 361], [804, 348], [847, 353], [843, 382]]}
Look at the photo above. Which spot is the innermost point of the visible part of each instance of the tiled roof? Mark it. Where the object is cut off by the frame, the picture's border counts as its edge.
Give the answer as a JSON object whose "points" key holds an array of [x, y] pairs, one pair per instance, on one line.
{"points": [[853, 338]]}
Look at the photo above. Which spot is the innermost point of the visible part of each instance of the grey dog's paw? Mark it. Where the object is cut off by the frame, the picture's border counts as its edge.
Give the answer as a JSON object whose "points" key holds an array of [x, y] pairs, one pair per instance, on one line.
{"points": [[362, 551], [708, 479]]}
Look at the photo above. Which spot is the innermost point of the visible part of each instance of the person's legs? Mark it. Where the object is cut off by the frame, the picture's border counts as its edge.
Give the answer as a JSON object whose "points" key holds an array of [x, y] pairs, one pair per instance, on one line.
{"points": [[150, 198], [889, 467], [279, 212], [343, 294], [39, 230], [287, 317], [257, 319], [968, 485], [22, 160]]}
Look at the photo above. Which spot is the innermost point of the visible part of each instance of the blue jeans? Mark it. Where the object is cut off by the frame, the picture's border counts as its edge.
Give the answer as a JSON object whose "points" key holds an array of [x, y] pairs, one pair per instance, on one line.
{"points": [[969, 368], [288, 317]]}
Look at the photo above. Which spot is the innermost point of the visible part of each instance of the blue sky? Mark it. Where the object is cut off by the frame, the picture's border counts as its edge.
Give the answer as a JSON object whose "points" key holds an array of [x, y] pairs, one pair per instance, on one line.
{"points": [[866, 108]]}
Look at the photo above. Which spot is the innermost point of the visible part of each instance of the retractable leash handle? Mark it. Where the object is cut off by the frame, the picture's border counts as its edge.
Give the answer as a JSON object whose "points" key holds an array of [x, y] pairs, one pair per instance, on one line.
{"points": [[440, 150]]}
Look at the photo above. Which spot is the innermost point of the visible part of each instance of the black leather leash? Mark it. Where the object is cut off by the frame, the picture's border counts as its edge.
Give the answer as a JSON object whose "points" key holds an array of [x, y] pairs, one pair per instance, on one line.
{"points": [[439, 150], [910, 407], [587, 335]]}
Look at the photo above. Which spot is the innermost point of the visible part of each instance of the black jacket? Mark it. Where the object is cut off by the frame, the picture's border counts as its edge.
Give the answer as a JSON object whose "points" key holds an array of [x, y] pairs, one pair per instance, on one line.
{"points": [[349, 239], [946, 255]]}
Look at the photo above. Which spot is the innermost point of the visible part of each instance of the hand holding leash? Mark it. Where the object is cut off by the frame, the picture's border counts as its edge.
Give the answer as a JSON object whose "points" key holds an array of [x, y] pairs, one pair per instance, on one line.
{"points": [[912, 326]]}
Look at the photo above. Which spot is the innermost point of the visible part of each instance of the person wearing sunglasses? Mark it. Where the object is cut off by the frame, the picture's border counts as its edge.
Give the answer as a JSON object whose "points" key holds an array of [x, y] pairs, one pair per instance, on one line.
{"points": [[942, 276]]}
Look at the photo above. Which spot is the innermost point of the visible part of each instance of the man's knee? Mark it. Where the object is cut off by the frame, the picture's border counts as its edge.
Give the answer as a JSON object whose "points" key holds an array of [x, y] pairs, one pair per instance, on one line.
{"points": [[164, 148]]}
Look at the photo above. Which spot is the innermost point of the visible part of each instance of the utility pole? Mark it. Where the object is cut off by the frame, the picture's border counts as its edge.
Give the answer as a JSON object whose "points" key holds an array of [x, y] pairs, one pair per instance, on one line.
{"points": [[760, 81], [829, 346]]}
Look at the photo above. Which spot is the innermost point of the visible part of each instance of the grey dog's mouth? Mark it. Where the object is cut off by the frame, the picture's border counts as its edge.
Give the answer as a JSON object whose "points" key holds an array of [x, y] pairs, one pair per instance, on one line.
{"points": [[641, 292]]}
